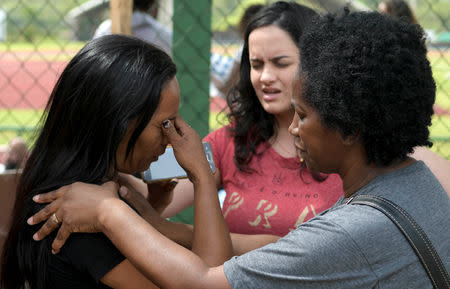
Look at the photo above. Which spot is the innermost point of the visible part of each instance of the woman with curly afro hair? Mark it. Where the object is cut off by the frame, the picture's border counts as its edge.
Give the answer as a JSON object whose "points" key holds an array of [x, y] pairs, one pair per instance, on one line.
{"points": [[363, 100]]}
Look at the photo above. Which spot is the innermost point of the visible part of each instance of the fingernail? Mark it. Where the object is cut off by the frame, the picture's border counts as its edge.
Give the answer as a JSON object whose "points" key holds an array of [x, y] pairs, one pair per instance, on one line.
{"points": [[123, 191], [36, 198], [173, 184], [35, 237], [30, 221], [166, 124]]}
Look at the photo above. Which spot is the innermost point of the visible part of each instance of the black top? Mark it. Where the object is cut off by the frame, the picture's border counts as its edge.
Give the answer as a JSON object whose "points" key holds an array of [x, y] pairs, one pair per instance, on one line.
{"points": [[83, 261]]}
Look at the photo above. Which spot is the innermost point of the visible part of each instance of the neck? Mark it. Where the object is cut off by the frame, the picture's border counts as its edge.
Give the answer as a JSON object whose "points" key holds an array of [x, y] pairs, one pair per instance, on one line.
{"points": [[282, 141], [112, 175], [361, 173], [284, 120]]}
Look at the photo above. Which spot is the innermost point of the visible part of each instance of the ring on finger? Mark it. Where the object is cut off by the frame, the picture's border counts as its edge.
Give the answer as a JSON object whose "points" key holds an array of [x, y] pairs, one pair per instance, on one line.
{"points": [[55, 219]]}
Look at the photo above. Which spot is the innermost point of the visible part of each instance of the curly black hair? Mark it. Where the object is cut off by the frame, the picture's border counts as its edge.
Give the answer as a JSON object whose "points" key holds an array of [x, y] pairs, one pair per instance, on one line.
{"points": [[367, 75], [252, 125]]}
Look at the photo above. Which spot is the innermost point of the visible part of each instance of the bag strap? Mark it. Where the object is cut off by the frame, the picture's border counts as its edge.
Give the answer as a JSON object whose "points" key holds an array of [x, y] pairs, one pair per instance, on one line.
{"points": [[414, 234]]}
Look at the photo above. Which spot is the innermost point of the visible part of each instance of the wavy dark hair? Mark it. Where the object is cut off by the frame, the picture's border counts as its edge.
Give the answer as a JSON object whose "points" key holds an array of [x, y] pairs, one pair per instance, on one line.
{"points": [[248, 14], [401, 10], [112, 81], [252, 125], [368, 75], [143, 5]]}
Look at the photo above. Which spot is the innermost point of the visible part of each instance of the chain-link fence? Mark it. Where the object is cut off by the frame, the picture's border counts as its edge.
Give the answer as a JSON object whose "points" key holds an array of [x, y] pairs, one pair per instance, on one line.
{"points": [[37, 39]]}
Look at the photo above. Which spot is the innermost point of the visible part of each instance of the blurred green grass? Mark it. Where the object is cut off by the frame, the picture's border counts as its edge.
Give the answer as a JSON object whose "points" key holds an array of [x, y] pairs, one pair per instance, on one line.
{"points": [[22, 122]]}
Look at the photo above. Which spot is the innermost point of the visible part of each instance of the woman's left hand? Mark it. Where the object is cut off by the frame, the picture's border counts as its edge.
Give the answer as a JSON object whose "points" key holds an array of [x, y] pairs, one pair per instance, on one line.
{"points": [[75, 207]]}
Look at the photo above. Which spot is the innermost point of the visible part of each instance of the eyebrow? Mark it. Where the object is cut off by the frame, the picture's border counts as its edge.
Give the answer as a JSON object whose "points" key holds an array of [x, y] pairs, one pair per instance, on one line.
{"points": [[276, 58], [280, 57]]}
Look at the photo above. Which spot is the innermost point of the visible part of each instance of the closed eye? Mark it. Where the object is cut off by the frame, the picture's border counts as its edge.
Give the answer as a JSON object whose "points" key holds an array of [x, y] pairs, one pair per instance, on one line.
{"points": [[299, 112], [256, 64]]}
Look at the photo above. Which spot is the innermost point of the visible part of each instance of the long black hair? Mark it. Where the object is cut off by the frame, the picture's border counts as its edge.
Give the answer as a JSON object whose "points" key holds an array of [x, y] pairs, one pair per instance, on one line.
{"points": [[251, 123], [111, 82]]}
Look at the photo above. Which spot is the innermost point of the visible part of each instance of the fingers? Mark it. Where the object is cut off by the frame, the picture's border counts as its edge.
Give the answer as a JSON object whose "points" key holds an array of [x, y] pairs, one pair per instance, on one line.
{"points": [[111, 186], [171, 132], [172, 184], [180, 123], [136, 199], [49, 226], [45, 213], [160, 194], [178, 132], [63, 233], [50, 196], [162, 187]]}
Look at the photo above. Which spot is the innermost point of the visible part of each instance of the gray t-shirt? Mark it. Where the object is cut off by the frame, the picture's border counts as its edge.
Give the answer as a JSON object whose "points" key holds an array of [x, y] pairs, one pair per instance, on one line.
{"points": [[144, 27], [355, 246]]}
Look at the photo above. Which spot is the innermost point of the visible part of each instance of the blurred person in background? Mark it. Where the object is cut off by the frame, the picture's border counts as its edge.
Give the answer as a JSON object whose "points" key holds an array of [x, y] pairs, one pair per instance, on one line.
{"points": [[144, 25], [228, 78], [15, 155], [398, 9]]}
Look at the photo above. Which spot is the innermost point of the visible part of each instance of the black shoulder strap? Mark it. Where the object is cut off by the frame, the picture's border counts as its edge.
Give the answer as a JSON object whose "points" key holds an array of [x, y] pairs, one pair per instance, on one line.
{"points": [[413, 233]]}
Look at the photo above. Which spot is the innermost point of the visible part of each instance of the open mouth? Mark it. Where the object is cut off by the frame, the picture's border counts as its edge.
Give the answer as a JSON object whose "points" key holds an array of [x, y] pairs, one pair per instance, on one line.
{"points": [[271, 90], [270, 93]]}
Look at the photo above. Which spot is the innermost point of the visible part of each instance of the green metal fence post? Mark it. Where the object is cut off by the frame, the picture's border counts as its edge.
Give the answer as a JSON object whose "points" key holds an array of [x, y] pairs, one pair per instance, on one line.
{"points": [[191, 53]]}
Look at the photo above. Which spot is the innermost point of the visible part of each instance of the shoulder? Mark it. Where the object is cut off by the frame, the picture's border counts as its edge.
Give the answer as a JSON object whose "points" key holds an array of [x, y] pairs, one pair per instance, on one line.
{"points": [[88, 245], [91, 253], [140, 18], [437, 164], [103, 29], [354, 219]]}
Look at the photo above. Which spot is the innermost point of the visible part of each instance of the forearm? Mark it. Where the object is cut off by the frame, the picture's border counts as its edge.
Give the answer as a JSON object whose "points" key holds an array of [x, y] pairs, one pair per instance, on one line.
{"points": [[183, 234], [180, 233], [211, 237], [155, 255]]}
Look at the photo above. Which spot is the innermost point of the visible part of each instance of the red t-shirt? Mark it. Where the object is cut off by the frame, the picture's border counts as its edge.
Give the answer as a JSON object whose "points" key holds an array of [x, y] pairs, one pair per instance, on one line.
{"points": [[275, 199]]}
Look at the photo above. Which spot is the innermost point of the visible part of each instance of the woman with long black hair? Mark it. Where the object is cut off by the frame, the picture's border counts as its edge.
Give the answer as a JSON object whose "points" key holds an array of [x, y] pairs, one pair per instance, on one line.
{"points": [[105, 115]]}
